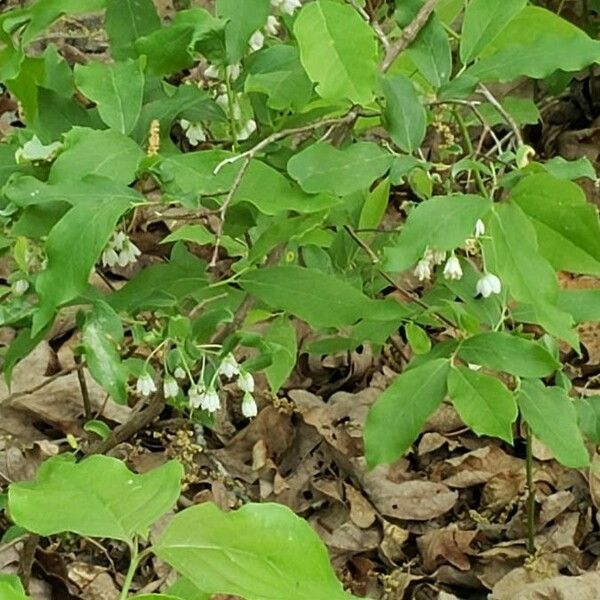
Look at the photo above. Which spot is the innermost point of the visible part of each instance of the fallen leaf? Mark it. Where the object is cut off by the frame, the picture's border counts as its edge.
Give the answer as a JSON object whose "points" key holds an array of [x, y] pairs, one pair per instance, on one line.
{"points": [[450, 545]]}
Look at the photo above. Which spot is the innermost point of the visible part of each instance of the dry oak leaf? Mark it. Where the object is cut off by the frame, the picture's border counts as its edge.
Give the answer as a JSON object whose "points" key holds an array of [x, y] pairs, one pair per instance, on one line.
{"points": [[450, 545], [409, 500]]}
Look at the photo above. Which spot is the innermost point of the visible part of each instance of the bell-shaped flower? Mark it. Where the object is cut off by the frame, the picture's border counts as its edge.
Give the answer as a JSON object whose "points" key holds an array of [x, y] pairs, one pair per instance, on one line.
{"points": [[479, 228], [423, 270], [256, 41], [272, 26], [194, 132], [211, 401], [452, 269], [145, 384], [249, 408], [229, 367], [196, 396], [246, 382], [170, 387], [488, 284]]}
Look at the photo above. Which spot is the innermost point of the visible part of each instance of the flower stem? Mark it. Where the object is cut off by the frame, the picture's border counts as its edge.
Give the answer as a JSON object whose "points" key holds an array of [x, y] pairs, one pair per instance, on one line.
{"points": [[134, 562], [530, 491]]}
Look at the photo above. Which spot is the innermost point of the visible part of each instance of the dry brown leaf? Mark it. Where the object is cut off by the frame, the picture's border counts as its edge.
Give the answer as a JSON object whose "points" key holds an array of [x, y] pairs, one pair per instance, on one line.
{"points": [[361, 512], [409, 500], [394, 538], [554, 505], [450, 545]]}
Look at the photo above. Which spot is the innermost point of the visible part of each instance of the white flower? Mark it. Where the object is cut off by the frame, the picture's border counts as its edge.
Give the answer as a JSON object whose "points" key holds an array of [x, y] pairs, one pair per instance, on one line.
{"points": [[423, 270], [211, 401], [233, 71], [109, 257], [20, 287], [489, 284], [179, 373], [256, 41], [272, 26], [437, 257], [246, 382], [128, 254], [118, 239], [479, 228], [194, 132], [473, 366], [212, 72], [247, 130], [170, 387], [229, 367], [196, 396], [452, 269], [286, 6], [145, 384], [249, 408]]}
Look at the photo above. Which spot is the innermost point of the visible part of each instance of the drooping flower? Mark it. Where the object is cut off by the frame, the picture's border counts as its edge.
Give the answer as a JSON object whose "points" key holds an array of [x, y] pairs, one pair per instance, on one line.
{"points": [[246, 382], [194, 132], [488, 284], [272, 26], [437, 257], [211, 401], [249, 408], [170, 387], [256, 41], [179, 373], [286, 6], [20, 287], [109, 257], [196, 396], [229, 367], [128, 254], [479, 228], [423, 270], [145, 384], [212, 72], [452, 269], [247, 130]]}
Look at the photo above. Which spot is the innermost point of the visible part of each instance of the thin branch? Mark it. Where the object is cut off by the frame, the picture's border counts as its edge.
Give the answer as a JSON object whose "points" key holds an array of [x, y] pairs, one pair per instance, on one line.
{"points": [[372, 22], [85, 394], [408, 36], [484, 91]]}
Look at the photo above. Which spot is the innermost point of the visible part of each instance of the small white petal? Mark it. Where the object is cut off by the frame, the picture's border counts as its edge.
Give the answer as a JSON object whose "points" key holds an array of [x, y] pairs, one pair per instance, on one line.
{"points": [[118, 240], [488, 284], [196, 396], [249, 408], [229, 367], [179, 373], [20, 287], [272, 26], [109, 257], [452, 269], [290, 6], [212, 72], [145, 384], [247, 130], [211, 401], [195, 134], [423, 270], [233, 71], [256, 41], [246, 382], [170, 387], [479, 228]]}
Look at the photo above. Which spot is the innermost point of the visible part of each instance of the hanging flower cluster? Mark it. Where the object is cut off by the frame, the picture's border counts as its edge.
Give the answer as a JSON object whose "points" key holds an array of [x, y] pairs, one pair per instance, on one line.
{"points": [[487, 285], [120, 250]]}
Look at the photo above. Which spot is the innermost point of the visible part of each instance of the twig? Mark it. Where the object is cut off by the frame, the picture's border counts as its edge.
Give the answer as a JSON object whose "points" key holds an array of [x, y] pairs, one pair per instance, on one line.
{"points": [[352, 233], [372, 22], [408, 36], [85, 394], [138, 420], [484, 91]]}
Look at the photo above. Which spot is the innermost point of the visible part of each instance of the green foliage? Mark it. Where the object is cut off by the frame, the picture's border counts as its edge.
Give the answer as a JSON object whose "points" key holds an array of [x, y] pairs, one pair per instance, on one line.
{"points": [[11, 588]]}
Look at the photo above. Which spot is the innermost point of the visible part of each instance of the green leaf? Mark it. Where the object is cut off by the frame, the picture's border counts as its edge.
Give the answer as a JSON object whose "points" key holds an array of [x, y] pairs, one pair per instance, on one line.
{"points": [[536, 43], [483, 403], [183, 588], [505, 352], [98, 497], [398, 415], [73, 247], [513, 255], [191, 233], [259, 552], [430, 51], [324, 168], [405, 116], [582, 305], [244, 18], [338, 51], [443, 222], [101, 334], [567, 225], [125, 22], [11, 588], [281, 338], [417, 338], [321, 299], [117, 89], [483, 21], [588, 413], [570, 169], [553, 420], [106, 153], [375, 205], [278, 73]]}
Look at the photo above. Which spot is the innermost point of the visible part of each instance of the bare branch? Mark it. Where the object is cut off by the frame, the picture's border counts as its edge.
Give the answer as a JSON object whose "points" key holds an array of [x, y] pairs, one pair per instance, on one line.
{"points": [[484, 91]]}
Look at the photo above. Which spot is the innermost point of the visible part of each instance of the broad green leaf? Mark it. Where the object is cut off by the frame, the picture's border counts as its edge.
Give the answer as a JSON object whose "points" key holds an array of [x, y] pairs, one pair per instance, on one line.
{"points": [[570, 169], [321, 299], [396, 418], [191, 233], [73, 247], [483, 403], [513, 255], [185, 590], [552, 417], [567, 225], [101, 334], [418, 339], [244, 18], [125, 22], [278, 73], [375, 205], [443, 222], [483, 21], [338, 51], [98, 497], [11, 588], [536, 43], [258, 552], [588, 413], [281, 337], [117, 89], [405, 116], [505, 352], [430, 51], [106, 153], [324, 168], [582, 305]]}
